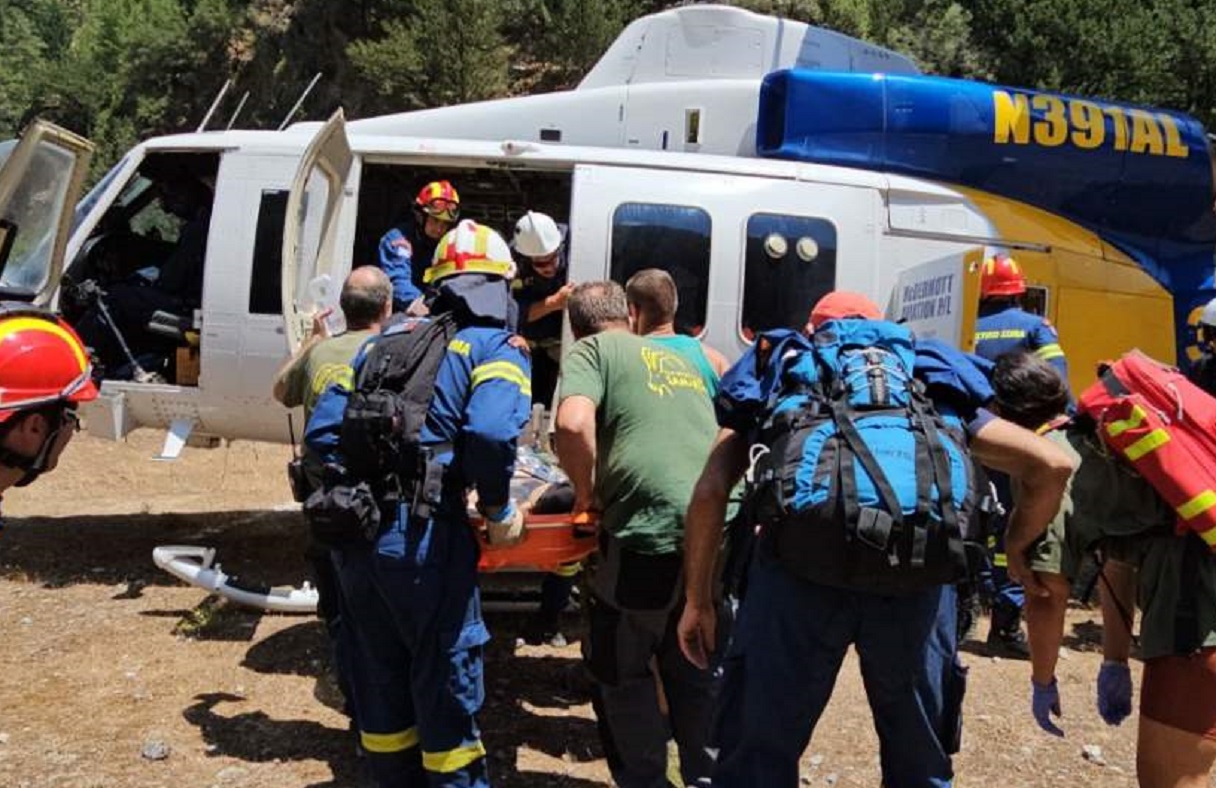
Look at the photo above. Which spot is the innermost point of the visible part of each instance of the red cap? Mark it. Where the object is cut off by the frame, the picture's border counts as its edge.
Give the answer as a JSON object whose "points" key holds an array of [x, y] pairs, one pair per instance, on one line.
{"points": [[842, 303]]}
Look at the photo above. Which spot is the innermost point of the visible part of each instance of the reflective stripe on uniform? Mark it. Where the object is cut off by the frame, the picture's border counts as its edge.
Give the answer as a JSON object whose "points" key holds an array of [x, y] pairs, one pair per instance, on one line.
{"points": [[389, 742], [568, 570], [453, 760], [1120, 426], [1197, 505], [1048, 352], [1000, 559], [460, 347], [502, 370], [1209, 537], [1150, 442]]}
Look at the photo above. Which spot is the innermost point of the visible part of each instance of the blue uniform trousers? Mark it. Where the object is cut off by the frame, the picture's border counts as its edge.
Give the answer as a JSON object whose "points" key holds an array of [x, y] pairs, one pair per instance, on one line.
{"points": [[416, 637], [788, 645]]}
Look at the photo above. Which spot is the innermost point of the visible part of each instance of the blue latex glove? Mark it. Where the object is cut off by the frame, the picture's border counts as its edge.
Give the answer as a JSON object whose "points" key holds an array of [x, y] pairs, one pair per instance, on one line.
{"points": [[1114, 692], [1044, 703]]}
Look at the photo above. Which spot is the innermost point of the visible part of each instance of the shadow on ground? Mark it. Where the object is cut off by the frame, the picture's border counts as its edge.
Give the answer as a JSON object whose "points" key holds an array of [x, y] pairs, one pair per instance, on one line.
{"points": [[261, 547]]}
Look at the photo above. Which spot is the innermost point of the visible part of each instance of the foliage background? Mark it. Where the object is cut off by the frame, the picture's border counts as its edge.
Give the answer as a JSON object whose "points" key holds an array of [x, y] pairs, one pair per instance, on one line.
{"points": [[118, 71]]}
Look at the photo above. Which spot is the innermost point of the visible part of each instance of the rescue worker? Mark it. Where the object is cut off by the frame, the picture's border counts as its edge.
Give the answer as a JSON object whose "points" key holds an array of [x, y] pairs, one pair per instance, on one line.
{"points": [[45, 374], [1004, 327], [174, 285], [1203, 372], [412, 595], [435, 210], [322, 361], [792, 633], [634, 427], [1110, 507], [541, 291], [653, 300]]}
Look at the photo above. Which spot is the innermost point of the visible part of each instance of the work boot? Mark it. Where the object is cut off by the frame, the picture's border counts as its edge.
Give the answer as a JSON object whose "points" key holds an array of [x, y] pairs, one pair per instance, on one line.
{"points": [[970, 610], [1009, 643], [1006, 637], [543, 629]]}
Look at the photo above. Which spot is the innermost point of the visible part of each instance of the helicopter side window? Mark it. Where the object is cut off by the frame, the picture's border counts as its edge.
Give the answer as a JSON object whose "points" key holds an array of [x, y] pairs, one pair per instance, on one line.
{"points": [[674, 238], [789, 263], [265, 295]]}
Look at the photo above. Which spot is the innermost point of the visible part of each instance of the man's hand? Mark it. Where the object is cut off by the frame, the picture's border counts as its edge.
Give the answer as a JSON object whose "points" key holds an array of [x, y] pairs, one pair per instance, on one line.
{"points": [[696, 631], [320, 329], [558, 300], [1045, 703], [1114, 692], [1019, 570]]}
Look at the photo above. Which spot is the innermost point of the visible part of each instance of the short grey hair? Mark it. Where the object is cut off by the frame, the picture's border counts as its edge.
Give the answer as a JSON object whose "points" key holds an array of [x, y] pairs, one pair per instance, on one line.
{"points": [[595, 306]]}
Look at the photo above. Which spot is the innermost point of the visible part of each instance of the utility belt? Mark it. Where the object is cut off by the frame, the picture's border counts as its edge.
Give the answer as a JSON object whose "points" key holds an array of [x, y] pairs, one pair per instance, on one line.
{"points": [[347, 512]]}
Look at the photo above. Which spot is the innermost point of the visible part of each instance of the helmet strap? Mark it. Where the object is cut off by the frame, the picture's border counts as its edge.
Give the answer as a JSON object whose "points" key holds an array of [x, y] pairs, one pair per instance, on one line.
{"points": [[34, 466]]}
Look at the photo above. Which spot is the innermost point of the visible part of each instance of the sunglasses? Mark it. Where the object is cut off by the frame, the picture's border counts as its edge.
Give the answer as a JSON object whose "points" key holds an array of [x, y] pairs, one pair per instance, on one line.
{"points": [[543, 262]]}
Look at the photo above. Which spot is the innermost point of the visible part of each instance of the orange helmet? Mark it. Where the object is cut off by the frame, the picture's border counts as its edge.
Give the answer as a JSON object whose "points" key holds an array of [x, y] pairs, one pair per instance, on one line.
{"points": [[1002, 276], [42, 361], [440, 200]]}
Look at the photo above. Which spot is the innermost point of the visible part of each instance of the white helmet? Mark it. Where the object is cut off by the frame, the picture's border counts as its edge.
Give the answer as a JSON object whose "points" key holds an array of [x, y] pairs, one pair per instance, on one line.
{"points": [[536, 235], [1208, 316]]}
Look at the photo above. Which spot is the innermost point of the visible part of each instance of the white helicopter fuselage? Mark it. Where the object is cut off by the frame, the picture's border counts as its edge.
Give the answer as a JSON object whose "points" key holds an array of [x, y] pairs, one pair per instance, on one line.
{"points": [[651, 161]]}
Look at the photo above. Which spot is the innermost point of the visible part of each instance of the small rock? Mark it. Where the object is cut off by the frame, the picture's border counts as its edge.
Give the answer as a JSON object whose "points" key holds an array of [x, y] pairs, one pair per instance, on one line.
{"points": [[3, 738], [1065, 653], [155, 750], [26, 621], [211, 748], [805, 780], [995, 659], [832, 778], [1093, 754], [816, 761], [230, 774]]}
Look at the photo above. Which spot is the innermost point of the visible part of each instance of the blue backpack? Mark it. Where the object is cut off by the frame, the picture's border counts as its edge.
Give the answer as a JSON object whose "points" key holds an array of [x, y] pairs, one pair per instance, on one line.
{"points": [[864, 485]]}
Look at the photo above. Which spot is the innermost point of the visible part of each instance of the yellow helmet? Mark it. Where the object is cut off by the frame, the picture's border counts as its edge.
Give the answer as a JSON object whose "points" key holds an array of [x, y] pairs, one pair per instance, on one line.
{"points": [[470, 248]]}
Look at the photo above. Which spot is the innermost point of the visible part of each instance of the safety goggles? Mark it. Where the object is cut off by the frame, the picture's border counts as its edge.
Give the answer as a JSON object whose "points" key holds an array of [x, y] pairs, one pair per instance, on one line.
{"points": [[439, 206]]}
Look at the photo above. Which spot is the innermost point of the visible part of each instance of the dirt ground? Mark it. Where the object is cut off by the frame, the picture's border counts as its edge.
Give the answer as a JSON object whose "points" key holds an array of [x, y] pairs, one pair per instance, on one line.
{"points": [[105, 660]]}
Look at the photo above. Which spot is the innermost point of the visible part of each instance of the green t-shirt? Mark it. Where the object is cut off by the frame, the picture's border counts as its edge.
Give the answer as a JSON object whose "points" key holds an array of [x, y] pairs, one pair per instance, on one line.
{"points": [[654, 428], [325, 363], [690, 348], [1109, 504]]}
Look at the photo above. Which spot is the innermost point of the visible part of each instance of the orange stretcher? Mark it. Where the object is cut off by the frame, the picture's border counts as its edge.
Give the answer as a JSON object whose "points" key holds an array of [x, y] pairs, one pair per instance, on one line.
{"points": [[550, 540]]}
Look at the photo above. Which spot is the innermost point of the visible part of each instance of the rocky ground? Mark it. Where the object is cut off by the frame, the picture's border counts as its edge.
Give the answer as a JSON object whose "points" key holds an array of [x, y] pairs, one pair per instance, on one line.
{"points": [[112, 673]]}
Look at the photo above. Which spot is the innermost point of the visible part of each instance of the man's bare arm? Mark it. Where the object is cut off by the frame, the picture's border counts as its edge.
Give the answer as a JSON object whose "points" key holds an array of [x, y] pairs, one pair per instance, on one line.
{"points": [[718, 361], [703, 525], [574, 441], [1042, 470]]}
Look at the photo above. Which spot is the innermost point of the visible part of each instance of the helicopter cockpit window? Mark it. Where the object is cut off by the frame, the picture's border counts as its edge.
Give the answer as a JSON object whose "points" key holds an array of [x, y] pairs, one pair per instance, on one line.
{"points": [[790, 261], [674, 238], [32, 218]]}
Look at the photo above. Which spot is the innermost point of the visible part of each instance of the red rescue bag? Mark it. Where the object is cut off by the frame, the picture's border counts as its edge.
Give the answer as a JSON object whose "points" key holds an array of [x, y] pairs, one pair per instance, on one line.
{"points": [[1149, 414]]}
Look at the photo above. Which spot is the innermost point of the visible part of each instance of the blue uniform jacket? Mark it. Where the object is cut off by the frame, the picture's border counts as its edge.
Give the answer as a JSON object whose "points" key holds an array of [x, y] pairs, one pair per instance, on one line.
{"points": [[482, 401], [399, 248], [956, 381], [1002, 328]]}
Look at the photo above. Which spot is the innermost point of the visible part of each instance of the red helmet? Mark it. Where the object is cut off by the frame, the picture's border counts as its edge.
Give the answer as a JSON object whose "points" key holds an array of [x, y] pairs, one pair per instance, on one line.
{"points": [[440, 200], [1002, 276], [42, 361]]}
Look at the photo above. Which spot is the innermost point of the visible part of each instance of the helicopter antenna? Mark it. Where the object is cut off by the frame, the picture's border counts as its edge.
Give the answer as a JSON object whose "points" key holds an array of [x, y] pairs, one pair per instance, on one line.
{"points": [[299, 101], [240, 106], [214, 105]]}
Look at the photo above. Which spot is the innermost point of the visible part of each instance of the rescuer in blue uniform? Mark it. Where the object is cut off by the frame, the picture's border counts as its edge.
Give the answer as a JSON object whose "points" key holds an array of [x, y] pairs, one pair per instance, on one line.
{"points": [[1203, 371], [1004, 327], [416, 627], [435, 210]]}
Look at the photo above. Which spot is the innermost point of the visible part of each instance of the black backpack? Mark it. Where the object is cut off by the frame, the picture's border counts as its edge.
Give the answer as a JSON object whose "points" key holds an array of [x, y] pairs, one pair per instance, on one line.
{"points": [[382, 462]]}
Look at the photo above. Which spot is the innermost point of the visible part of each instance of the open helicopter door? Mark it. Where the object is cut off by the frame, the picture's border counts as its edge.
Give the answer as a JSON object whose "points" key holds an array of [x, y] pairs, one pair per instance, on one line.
{"points": [[40, 180], [310, 279]]}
